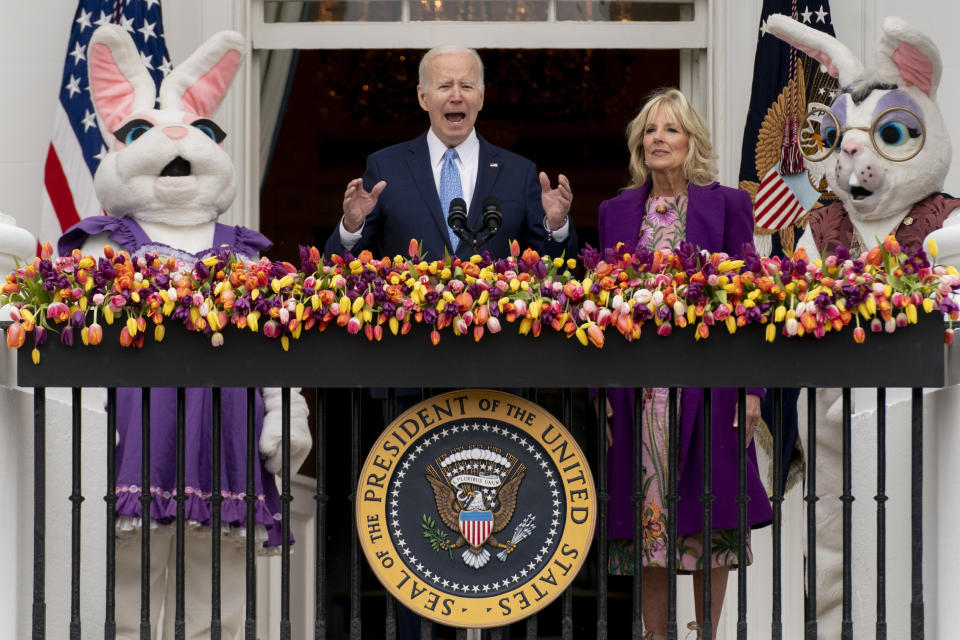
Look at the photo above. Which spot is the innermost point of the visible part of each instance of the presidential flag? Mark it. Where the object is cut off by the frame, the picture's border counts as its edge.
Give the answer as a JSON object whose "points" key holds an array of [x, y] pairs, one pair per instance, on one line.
{"points": [[76, 146], [786, 84]]}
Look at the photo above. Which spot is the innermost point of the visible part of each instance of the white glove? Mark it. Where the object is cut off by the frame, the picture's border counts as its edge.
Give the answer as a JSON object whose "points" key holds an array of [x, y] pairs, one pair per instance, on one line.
{"points": [[271, 435]]}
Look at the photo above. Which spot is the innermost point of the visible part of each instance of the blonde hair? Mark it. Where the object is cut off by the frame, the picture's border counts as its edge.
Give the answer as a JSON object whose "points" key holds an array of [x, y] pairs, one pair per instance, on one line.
{"points": [[699, 166]]}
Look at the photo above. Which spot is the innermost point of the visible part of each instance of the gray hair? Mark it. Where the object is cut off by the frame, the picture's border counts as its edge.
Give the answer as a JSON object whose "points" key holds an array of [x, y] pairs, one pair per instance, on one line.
{"points": [[445, 49]]}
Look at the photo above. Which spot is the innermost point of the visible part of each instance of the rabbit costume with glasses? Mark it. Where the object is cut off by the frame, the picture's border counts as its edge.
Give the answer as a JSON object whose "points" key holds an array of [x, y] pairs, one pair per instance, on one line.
{"points": [[164, 181], [885, 152], [882, 145]]}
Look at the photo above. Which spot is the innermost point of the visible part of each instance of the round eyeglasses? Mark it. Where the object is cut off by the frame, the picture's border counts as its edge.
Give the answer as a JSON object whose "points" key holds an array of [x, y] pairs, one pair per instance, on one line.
{"points": [[896, 134]]}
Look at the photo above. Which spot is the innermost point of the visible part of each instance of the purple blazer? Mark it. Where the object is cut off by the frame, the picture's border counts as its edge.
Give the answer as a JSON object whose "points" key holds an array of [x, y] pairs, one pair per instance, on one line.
{"points": [[718, 219]]}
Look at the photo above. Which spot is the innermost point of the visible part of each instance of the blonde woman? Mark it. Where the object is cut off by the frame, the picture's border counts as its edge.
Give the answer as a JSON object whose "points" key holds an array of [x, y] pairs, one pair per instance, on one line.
{"points": [[673, 198]]}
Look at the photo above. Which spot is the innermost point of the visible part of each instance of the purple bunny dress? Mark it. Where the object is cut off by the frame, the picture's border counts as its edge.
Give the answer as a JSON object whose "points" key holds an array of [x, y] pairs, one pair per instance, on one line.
{"points": [[126, 234]]}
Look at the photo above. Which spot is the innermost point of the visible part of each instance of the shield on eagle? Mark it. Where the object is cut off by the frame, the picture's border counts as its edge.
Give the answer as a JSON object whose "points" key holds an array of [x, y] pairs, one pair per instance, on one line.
{"points": [[476, 526]]}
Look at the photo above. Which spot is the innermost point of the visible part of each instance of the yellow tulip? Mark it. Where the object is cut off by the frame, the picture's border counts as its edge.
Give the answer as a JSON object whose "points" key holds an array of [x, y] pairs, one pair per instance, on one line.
{"points": [[132, 326]]}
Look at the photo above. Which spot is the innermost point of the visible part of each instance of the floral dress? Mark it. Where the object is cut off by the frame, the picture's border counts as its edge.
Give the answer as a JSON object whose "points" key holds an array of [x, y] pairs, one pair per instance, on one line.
{"points": [[664, 226]]}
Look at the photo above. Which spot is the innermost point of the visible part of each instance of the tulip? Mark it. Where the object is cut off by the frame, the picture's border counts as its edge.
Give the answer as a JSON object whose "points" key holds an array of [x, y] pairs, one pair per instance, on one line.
{"points": [[368, 332], [596, 335], [948, 336], [216, 339], [664, 329], [911, 313], [791, 326], [285, 343], [493, 324], [95, 334], [890, 325], [16, 336], [770, 333], [731, 323], [35, 355], [125, 338], [477, 333], [581, 336], [891, 246], [353, 325], [435, 337], [413, 249], [859, 335], [58, 312], [271, 329]]}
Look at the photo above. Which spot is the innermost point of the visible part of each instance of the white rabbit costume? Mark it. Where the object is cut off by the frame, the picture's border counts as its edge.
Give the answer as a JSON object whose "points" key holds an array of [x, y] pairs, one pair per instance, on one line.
{"points": [[891, 153], [164, 181]]}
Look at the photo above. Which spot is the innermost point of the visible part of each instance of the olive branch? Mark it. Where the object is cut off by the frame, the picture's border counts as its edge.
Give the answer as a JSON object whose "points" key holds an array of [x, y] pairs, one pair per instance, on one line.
{"points": [[436, 536]]}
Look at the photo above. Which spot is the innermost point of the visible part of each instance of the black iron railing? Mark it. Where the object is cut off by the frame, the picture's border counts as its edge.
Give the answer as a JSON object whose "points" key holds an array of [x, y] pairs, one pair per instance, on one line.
{"points": [[333, 361]]}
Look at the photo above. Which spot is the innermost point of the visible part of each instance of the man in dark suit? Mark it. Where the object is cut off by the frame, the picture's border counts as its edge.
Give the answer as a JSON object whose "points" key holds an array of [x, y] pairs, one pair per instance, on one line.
{"points": [[406, 189]]}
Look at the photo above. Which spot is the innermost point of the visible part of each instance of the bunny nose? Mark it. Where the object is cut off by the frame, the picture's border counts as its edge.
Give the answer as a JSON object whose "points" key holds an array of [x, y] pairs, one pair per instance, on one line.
{"points": [[851, 147], [175, 132]]}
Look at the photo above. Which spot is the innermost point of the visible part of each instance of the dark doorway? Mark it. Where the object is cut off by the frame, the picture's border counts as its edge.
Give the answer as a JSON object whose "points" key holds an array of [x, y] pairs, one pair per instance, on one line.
{"points": [[564, 109]]}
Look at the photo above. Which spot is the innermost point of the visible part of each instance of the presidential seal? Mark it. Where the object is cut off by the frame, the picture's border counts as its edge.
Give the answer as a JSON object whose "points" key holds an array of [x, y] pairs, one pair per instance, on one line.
{"points": [[476, 508]]}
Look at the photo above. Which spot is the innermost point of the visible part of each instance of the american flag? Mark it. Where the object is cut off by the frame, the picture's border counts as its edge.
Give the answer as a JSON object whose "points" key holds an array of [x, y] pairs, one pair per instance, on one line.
{"points": [[76, 145]]}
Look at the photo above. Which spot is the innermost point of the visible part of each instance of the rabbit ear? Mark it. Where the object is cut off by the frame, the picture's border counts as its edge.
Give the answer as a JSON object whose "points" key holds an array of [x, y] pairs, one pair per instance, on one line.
{"points": [[904, 54], [824, 48], [199, 84], [119, 83]]}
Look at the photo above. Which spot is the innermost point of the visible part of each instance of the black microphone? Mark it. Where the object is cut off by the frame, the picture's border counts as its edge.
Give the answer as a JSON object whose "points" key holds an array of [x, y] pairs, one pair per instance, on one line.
{"points": [[457, 219], [492, 215], [492, 219]]}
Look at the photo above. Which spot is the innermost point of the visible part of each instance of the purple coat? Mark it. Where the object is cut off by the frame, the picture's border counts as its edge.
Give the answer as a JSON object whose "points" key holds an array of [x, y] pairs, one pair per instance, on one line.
{"points": [[718, 219]]}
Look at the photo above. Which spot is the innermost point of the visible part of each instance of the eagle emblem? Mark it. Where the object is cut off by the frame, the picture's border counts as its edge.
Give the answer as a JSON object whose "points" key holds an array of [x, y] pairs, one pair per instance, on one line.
{"points": [[475, 489]]}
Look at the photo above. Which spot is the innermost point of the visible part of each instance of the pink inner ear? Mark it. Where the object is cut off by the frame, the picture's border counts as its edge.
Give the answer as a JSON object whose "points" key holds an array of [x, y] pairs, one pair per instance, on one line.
{"points": [[914, 67], [820, 57], [207, 92], [111, 92]]}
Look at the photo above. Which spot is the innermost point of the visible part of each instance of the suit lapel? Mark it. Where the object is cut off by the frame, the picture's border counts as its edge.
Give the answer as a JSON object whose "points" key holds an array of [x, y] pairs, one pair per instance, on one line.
{"points": [[488, 170], [419, 164]]}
